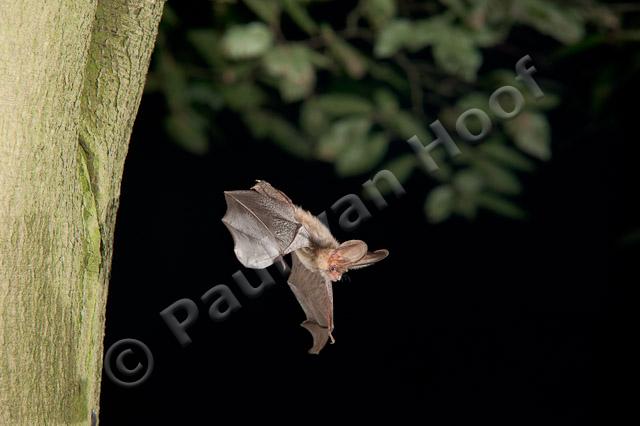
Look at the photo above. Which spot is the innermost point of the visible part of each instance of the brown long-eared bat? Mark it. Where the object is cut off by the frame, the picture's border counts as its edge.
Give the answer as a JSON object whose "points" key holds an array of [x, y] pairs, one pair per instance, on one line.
{"points": [[266, 225]]}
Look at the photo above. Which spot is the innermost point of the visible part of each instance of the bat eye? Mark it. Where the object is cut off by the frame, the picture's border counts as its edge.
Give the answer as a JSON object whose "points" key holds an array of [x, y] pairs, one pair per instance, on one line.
{"points": [[332, 268]]}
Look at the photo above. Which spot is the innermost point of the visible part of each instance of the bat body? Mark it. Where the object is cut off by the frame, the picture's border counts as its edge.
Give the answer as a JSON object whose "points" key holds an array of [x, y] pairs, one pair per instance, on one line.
{"points": [[266, 225]]}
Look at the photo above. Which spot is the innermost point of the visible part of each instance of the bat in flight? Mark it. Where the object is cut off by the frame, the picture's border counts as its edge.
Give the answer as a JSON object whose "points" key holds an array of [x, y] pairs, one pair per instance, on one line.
{"points": [[266, 225]]}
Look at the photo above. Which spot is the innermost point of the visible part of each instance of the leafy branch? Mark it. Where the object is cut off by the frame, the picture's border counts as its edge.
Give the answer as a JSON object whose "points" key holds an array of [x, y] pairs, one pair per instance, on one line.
{"points": [[340, 84]]}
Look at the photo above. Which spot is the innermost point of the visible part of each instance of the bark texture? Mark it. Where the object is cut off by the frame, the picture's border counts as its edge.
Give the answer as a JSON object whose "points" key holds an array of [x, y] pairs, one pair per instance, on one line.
{"points": [[71, 79]]}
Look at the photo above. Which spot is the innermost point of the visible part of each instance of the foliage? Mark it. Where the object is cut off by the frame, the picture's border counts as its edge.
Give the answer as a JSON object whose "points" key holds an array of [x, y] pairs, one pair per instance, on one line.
{"points": [[342, 82]]}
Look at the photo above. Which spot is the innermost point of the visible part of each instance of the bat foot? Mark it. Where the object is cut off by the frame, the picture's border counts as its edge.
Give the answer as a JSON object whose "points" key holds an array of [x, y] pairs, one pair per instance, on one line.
{"points": [[320, 335]]}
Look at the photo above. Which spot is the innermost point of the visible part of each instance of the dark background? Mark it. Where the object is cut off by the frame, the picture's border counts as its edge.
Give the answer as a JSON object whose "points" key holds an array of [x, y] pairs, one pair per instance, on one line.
{"points": [[495, 320]]}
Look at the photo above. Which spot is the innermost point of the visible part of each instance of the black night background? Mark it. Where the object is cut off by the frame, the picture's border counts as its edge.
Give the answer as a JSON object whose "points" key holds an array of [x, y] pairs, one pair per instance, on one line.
{"points": [[491, 320]]}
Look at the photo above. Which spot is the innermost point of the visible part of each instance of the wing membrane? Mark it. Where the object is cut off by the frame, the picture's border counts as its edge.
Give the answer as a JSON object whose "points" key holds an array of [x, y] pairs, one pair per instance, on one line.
{"points": [[263, 227], [315, 295]]}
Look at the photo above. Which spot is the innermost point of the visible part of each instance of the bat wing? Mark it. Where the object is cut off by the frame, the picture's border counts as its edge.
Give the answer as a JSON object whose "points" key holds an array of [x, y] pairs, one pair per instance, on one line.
{"points": [[262, 224], [315, 295]]}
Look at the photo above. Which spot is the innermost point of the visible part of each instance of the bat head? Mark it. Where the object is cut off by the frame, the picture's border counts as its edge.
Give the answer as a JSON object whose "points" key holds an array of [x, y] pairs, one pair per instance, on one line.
{"points": [[352, 254]]}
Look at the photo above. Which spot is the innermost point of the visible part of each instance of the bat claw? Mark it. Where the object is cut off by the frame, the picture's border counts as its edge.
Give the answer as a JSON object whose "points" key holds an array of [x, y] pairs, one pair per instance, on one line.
{"points": [[283, 264]]}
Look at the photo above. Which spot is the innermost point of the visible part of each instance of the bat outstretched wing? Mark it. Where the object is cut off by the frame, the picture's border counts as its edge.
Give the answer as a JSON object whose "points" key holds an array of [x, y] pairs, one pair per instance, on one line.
{"points": [[263, 226], [315, 295]]}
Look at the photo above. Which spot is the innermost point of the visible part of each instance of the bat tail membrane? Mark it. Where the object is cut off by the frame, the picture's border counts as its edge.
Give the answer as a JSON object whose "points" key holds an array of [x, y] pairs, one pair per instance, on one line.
{"points": [[320, 336]]}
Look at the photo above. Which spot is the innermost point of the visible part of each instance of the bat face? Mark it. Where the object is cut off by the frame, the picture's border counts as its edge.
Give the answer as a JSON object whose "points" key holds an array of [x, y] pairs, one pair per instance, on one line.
{"points": [[335, 272]]}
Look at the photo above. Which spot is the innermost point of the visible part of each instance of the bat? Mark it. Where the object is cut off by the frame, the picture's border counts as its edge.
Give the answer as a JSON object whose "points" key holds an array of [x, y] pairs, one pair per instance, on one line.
{"points": [[266, 226]]}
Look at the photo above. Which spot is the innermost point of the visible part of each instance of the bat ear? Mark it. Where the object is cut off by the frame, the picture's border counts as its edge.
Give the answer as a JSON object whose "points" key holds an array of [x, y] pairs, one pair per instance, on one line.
{"points": [[351, 251], [370, 258]]}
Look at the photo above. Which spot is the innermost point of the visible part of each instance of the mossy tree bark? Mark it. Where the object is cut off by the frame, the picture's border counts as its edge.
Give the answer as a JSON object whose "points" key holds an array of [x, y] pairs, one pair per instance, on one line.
{"points": [[71, 79]]}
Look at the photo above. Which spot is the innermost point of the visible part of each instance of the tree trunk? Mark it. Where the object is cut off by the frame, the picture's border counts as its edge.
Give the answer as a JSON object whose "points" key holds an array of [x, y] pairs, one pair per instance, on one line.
{"points": [[71, 79]]}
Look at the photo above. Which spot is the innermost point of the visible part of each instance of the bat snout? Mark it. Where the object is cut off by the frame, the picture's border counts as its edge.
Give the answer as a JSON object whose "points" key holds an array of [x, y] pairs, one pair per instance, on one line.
{"points": [[335, 275]]}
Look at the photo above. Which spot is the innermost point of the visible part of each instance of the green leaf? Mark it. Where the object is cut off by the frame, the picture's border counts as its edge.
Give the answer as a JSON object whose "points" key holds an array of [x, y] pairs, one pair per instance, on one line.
{"points": [[205, 94], [444, 162], [386, 101], [293, 70], [466, 205], [247, 41], [487, 21], [234, 72], [189, 130], [361, 155], [342, 133], [506, 156], [313, 119], [353, 61], [474, 100], [502, 77], [531, 133], [319, 60], [557, 20], [468, 182], [207, 43], [386, 74], [439, 204], [393, 37], [267, 10], [498, 178], [457, 54], [402, 167], [174, 83], [427, 32], [299, 15], [487, 37], [406, 125], [243, 96], [265, 124], [378, 12], [340, 104], [546, 102], [501, 206], [456, 6]]}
